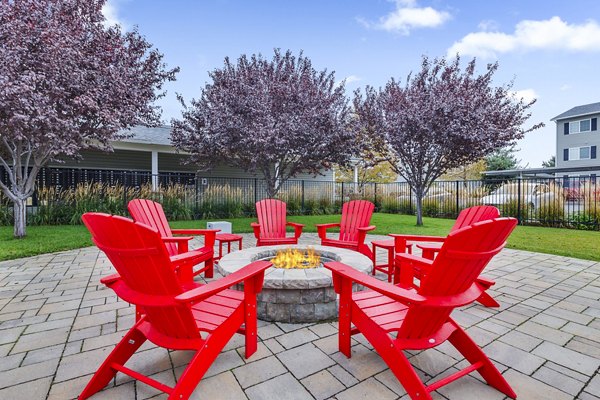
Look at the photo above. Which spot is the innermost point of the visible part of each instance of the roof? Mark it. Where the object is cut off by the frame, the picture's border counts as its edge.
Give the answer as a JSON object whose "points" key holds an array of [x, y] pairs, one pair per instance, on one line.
{"points": [[148, 135], [541, 171], [579, 111]]}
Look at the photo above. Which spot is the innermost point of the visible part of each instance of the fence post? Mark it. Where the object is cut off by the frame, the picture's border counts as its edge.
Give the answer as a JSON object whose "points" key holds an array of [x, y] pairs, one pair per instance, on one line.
{"points": [[519, 216], [375, 194], [302, 196], [457, 198], [342, 202], [255, 190], [124, 192], [196, 210]]}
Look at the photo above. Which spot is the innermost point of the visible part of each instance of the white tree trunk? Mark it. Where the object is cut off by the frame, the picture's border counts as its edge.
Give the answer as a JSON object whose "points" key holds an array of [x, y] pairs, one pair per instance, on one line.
{"points": [[20, 214]]}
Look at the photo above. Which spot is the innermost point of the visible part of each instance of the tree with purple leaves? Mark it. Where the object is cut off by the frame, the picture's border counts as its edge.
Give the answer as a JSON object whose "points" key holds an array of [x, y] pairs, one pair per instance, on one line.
{"points": [[67, 82], [442, 118], [278, 118]]}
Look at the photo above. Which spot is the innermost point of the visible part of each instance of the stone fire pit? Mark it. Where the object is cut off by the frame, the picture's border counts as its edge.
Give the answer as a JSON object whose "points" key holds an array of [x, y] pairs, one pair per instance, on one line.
{"points": [[295, 295]]}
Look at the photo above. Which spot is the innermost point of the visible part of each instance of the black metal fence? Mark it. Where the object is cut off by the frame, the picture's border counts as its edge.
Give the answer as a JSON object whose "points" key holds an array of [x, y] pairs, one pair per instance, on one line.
{"points": [[63, 195]]}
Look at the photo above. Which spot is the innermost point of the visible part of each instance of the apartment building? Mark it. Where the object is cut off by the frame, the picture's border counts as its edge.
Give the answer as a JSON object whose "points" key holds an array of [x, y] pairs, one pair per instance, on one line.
{"points": [[578, 140]]}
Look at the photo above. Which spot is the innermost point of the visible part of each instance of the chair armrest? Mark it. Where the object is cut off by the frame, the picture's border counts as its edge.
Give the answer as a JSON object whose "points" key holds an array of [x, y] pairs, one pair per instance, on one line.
{"points": [[110, 279], [400, 240], [367, 228], [487, 283], [397, 293], [297, 228], [362, 233], [424, 262], [256, 228], [194, 231], [176, 239], [418, 238], [209, 234], [457, 300], [138, 298], [182, 242], [322, 229], [189, 257], [252, 270], [405, 271]]}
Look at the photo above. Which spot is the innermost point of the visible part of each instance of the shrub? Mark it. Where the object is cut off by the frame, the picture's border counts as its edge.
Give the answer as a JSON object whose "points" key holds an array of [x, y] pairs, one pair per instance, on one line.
{"points": [[551, 214], [430, 207], [177, 201], [6, 215], [292, 196], [54, 207], [221, 201], [511, 208]]}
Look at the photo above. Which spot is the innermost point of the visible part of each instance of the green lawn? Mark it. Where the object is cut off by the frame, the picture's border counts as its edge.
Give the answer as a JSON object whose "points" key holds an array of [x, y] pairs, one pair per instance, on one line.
{"points": [[566, 242]]}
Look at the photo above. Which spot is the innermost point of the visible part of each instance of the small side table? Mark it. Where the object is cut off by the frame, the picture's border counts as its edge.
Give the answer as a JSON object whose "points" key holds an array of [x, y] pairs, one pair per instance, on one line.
{"points": [[227, 238], [386, 268]]}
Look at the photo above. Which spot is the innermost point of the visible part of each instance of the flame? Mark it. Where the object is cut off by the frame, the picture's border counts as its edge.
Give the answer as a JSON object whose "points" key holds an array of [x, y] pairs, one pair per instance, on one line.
{"points": [[295, 258]]}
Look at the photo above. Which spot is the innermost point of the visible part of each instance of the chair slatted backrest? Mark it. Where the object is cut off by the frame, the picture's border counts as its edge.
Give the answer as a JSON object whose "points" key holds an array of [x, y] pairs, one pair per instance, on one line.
{"points": [[355, 214], [474, 214], [462, 258], [151, 213], [271, 214], [139, 255]]}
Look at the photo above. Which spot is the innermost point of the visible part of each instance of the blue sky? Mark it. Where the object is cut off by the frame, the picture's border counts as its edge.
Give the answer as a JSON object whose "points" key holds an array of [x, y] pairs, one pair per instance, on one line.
{"points": [[550, 48]]}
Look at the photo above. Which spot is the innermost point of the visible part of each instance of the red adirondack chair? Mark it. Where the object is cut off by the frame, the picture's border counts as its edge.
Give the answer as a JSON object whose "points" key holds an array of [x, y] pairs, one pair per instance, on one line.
{"points": [[270, 229], [151, 213], [395, 318], [202, 319], [466, 217], [356, 216]]}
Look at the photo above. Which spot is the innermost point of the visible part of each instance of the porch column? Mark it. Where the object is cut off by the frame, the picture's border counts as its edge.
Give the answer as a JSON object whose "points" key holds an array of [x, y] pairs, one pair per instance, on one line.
{"points": [[154, 170], [355, 177]]}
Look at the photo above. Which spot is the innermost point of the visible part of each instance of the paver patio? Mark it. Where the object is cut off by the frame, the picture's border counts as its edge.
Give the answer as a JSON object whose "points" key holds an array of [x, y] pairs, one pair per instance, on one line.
{"points": [[58, 323]]}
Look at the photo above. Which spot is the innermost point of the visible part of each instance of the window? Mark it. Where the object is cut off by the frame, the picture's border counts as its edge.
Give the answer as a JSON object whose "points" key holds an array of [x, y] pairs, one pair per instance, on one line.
{"points": [[584, 125], [580, 153], [584, 153]]}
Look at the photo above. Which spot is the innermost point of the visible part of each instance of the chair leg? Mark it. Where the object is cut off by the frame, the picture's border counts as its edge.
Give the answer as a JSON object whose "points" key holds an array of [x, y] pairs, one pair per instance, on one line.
{"points": [[345, 318], [395, 359], [195, 370], [204, 358], [120, 354], [209, 271], [471, 351], [487, 300], [250, 319]]}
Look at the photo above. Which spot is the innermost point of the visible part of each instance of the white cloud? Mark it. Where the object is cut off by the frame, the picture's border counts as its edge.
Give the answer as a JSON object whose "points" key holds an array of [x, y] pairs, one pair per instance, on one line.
{"points": [[110, 11], [488, 25], [566, 87], [352, 78], [349, 79], [527, 95], [551, 34], [408, 16]]}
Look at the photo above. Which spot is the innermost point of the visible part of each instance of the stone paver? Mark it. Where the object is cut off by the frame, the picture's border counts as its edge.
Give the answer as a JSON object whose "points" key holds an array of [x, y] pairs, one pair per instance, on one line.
{"points": [[58, 323]]}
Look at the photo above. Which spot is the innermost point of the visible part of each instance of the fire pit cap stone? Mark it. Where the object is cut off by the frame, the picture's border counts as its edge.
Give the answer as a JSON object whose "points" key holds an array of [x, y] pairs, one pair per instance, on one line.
{"points": [[276, 278]]}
